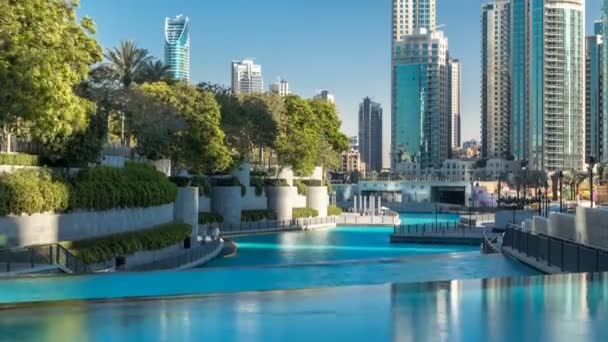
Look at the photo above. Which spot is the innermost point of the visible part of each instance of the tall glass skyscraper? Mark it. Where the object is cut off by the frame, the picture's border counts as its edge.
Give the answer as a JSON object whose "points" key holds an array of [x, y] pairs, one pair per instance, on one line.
{"points": [[370, 134], [495, 79], [421, 104], [411, 15], [177, 47], [593, 95], [604, 72], [455, 72], [548, 83]]}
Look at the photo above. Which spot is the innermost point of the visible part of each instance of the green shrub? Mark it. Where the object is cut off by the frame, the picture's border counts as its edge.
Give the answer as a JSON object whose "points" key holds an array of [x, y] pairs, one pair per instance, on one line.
{"points": [[258, 215], [302, 188], [312, 182], [203, 184], [99, 188], [225, 181], [330, 188], [243, 190], [19, 159], [274, 182], [206, 218], [258, 184], [32, 191], [92, 251], [332, 210], [299, 213], [180, 181]]}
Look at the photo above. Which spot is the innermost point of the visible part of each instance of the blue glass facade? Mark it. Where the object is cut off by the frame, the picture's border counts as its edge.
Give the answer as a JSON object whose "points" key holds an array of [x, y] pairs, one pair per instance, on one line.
{"points": [[177, 47], [594, 102], [408, 122], [604, 72], [519, 28], [536, 142]]}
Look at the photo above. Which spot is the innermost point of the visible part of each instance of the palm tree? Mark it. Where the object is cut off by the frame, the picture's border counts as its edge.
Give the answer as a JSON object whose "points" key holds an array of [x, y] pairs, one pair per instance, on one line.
{"points": [[153, 71], [127, 60]]}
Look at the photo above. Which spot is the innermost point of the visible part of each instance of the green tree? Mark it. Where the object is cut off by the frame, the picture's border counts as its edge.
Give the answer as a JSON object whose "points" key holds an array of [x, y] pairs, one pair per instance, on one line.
{"points": [[200, 146], [126, 61], [332, 141], [297, 143], [153, 71], [44, 52]]}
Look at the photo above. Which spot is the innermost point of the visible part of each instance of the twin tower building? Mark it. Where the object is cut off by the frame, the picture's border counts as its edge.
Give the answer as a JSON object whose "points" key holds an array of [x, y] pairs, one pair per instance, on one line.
{"points": [[542, 90]]}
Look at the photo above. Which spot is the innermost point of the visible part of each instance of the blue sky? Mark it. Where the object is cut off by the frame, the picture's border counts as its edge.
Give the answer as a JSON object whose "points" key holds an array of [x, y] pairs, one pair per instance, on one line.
{"points": [[341, 45]]}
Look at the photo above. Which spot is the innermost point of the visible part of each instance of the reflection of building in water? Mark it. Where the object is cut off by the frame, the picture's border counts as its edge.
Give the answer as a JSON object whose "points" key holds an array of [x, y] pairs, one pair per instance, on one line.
{"points": [[425, 311]]}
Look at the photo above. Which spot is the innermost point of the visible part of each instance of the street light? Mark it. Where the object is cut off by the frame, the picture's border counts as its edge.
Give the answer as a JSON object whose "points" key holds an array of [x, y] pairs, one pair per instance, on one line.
{"points": [[591, 165], [561, 191], [470, 211], [540, 203]]}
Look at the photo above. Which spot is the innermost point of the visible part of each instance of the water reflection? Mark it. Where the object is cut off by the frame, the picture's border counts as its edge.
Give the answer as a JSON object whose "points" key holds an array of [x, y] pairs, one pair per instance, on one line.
{"points": [[557, 308]]}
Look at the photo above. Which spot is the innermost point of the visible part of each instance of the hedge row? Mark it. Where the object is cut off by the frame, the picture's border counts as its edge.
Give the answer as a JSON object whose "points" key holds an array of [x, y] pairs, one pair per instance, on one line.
{"points": [[332, 210], [19, 159], [201, 182], [299, 213], [258, 215], [92, 251], [206, 218], [312, 182], [99, 188]]}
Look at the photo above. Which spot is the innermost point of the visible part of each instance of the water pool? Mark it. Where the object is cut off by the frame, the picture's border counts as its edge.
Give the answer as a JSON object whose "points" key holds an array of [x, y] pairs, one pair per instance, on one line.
{"points": [[427, 218], [541, 308], [327, 245]]}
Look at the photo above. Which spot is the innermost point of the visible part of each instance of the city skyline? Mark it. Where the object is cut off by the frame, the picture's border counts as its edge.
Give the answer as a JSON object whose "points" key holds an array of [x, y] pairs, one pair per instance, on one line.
{"points": [[282, 51]]}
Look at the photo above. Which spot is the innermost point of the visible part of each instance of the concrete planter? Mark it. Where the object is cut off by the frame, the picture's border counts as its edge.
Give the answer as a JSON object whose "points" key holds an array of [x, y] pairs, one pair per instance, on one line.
{"points": [[253, 202], [592, 226], [562, 226], [227, 201], [280, 199], [51, 228], [186, 208], [204, 204], [318, 199]]}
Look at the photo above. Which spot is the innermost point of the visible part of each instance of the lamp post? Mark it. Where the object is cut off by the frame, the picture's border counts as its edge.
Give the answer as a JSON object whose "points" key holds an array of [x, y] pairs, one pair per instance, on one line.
{"points": [[539, 198], [561, 191], [524, 168], [591, 165], [470, 211]]}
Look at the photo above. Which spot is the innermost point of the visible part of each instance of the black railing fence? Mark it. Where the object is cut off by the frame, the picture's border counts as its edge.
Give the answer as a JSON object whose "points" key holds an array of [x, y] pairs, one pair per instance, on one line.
{"points": [[568, 256], [244, 227], [20, 259]]}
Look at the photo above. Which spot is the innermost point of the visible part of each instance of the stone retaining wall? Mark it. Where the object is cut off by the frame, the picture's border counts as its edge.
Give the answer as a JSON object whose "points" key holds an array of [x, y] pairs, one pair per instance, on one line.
{"points": [[39, 229]]}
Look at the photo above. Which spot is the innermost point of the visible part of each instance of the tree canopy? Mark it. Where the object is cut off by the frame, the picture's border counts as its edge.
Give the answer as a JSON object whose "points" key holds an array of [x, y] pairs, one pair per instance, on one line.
{"points": [[44, 53], [200, 147]]}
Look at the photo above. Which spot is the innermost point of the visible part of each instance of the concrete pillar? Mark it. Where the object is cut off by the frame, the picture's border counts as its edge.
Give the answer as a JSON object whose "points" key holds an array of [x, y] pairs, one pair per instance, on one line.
{"points": [[186, 209], [379, 203], [318, 199], [355, 204], [372, 207], [228, 202], [279, 200], [364, 201]]}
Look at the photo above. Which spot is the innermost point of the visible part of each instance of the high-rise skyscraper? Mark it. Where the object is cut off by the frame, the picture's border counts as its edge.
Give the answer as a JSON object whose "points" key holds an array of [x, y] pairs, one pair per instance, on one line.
{"points": [[411, 15], [420, 100], [495, 79], [177, 47], [247, 77], [455, 71], [548, 83], [604, 73], [326, 96], [593, 96], [281, 87], [370, 134]]}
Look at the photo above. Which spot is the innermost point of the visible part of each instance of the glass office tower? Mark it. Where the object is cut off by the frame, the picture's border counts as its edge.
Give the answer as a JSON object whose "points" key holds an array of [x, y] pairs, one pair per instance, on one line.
{"points": [[177, 47]]}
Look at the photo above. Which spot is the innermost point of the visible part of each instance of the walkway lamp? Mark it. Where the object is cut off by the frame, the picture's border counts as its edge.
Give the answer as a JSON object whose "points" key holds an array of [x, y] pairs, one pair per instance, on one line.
{"points": [[591, 165], [539, 198], [560, 176]]}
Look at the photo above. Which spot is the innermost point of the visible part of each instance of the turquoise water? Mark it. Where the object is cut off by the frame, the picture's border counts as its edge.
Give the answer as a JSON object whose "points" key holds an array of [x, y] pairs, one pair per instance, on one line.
{"points": [[542, 308], [425, 218], [322, 246]]}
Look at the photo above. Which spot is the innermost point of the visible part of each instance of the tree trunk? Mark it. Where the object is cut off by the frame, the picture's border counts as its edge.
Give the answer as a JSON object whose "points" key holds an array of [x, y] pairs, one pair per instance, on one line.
{"points": [[7, 138]]}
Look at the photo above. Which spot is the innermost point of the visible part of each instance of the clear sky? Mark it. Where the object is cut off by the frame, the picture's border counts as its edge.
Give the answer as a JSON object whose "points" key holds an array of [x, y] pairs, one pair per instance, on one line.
{"points": [[340, 45]]}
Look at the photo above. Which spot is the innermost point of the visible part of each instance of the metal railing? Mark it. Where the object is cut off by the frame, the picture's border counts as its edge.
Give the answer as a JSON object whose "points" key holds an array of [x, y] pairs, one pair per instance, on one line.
{"points": [[489, 245], [188, 257], [27, 258], [566, 255], [279, 225], [440, 228], [367, 219]]}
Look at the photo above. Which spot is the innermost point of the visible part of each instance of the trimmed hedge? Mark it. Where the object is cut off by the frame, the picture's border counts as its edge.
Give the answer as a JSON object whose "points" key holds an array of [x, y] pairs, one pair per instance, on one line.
{"points": [[206, 218], [228, 181], [258, 215], [201, 182], [332, 210], [92, 251], [302, 188], [258, 184], [99, 188], [299, 213], [273, 182], [19, 159], [134, 186], [312, 182]]}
